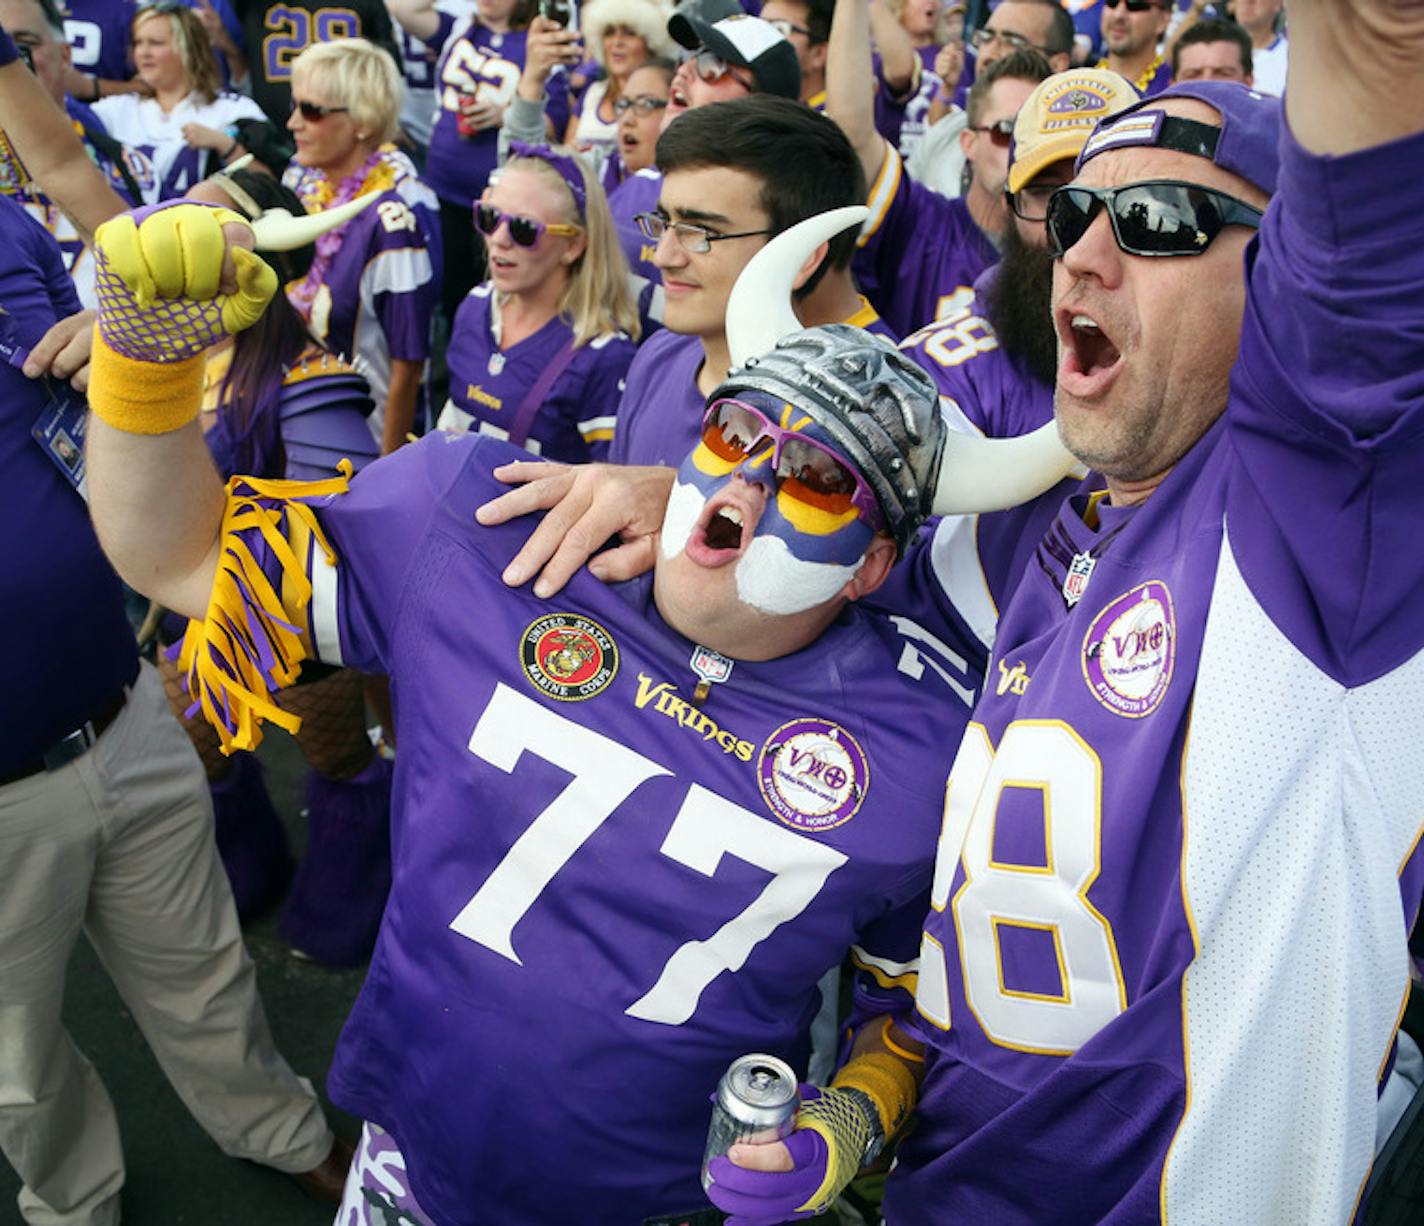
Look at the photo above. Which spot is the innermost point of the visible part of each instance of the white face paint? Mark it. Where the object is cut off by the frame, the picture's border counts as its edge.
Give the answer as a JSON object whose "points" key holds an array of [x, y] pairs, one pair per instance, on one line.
{"points": [[770, 578]]}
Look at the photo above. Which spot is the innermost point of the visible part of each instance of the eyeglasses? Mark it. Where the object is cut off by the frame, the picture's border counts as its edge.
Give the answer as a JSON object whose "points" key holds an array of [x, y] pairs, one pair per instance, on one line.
{"points": [[1031, 203], [804, 469], [1162, 217], [711, 67], [1001, 132], [787, 28], [1133, 6], [525, 231], [983, 36], [313, 113], [644, 104], [693, 238], [159, 6]]}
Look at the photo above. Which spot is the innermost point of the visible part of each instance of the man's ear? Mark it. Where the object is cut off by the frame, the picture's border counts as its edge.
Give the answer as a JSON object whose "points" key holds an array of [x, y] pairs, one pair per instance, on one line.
{"points": [[879, 558], [813, 262]]}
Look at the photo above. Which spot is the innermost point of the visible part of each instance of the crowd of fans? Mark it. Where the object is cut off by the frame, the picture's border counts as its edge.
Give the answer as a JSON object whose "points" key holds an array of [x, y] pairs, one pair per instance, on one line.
{"points": [[538, 215]]}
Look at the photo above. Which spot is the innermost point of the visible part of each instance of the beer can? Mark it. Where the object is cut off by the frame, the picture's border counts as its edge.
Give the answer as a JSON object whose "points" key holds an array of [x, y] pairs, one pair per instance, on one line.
{"points": [[756, 1102]]}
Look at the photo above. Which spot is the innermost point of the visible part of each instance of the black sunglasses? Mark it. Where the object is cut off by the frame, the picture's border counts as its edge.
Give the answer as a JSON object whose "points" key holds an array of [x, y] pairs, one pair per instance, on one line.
{"points": [[313, 113], [1133, 6], [1000, 132], [1157, 218]]}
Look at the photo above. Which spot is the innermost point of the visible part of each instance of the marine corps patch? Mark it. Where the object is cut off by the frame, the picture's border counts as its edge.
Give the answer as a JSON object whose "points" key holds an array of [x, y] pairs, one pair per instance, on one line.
{"points": [[813, 775], [568, 657]]}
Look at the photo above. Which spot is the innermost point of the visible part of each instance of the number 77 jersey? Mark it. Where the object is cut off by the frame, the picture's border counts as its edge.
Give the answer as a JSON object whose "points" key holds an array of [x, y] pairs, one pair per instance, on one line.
{"points": [[605, 888]]}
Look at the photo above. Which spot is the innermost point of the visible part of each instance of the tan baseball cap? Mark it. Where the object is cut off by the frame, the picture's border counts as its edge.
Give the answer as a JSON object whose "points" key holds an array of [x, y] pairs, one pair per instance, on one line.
{"points": [[1056, 120]]}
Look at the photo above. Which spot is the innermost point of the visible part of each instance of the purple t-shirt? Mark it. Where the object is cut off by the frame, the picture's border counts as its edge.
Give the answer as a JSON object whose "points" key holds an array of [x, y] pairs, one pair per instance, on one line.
{"points": [[602, 893], [637, 194], [61, 606], [99, 33], [660, 414], [475, 60], [919, 252], [575, 420], [1146, 1006]]}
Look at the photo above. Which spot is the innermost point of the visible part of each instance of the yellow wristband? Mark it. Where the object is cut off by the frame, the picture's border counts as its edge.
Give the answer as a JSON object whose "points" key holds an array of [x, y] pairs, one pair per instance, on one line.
{"points": [[144, 397], [887, 1081]]}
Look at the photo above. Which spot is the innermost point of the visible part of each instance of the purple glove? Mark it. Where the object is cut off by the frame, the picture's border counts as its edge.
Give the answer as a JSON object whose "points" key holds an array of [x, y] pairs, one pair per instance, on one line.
{"points": [[767, 1198]]}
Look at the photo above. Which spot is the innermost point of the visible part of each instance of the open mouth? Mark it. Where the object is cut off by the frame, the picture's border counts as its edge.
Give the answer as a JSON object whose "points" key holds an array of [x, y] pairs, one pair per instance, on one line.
{"points": [[724, 529], [722, 532], [677, 97], [1091, 359]]}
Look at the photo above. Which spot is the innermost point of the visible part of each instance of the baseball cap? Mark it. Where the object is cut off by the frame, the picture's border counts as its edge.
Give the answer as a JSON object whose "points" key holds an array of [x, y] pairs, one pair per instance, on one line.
{"points": [[1247, 142], [748, 42], [1060, 115]]}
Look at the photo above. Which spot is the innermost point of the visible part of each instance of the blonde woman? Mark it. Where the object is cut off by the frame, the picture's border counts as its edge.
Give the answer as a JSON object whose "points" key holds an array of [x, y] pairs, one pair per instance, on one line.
{"points": [[538, 352], [374, 282], [187, 128]]}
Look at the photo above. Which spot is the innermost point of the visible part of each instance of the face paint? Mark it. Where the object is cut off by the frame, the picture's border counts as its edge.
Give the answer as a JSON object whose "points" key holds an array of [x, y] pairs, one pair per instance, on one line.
{"points": [[800, 556]]}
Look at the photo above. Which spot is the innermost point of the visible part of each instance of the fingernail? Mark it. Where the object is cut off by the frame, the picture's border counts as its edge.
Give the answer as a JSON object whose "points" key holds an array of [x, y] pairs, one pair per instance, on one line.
{"points": [[543, 588], [513, 575], [30, 369]]}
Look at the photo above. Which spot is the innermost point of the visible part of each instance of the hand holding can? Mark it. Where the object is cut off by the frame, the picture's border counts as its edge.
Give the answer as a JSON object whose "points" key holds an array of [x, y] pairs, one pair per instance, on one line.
{"points": [[755, 1103]]}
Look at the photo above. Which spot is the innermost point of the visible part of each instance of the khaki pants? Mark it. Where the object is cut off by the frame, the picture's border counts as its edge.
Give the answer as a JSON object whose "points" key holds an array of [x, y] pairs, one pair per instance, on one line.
{"points": [[120, 844]]}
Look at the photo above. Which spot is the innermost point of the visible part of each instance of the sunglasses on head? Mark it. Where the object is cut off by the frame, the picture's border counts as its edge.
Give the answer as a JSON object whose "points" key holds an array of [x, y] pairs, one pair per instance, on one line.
{"points": [[313, 113], [1001, 132], [804, 469], [524, 231], [1163, 217], [1133, 6]]}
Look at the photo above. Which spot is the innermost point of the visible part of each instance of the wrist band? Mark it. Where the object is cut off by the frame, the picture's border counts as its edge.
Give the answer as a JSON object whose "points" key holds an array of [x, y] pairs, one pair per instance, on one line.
{"points": [[143, 397], [98, 93]]}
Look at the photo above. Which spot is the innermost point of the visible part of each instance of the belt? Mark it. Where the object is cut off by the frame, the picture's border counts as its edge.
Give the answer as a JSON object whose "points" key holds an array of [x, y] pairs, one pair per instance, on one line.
{"points": [[74, 744]]}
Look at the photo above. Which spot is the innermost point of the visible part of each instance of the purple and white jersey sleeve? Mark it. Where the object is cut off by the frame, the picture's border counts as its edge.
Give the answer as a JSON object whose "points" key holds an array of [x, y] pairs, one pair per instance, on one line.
{"points": [[488, 386], [919, 253], [660, 415], [1216, 694]]}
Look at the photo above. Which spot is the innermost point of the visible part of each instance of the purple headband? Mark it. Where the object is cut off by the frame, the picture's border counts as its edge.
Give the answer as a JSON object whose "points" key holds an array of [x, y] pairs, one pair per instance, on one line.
{"points": [[565, 165]]}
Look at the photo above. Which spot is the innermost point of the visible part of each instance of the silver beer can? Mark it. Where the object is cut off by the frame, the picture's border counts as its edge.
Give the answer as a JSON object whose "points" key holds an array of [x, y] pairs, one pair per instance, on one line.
{"points": [[756, 1102]]}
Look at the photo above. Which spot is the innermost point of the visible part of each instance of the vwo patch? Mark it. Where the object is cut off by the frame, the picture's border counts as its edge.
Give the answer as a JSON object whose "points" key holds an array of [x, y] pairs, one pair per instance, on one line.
{"points": [[568, 657], [1130, 648], [812, 774]]}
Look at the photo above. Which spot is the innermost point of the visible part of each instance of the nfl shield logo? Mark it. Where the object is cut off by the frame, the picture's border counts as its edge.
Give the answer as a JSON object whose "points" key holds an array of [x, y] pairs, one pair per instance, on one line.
{"points": [[711, 666], [1079, 572]]}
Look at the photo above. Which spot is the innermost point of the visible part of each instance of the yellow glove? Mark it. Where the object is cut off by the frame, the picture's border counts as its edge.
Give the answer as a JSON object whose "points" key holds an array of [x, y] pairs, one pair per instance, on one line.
{"points": [[157, 275]]}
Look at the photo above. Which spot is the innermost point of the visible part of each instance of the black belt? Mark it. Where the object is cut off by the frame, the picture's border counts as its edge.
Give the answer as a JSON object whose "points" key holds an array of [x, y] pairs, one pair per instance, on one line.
{"points": [[74, 744]]}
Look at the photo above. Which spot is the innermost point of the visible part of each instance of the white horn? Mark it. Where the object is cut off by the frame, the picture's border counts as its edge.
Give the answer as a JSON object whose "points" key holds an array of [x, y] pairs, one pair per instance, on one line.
{"points": [[759, 307], [278, 230], [991, 474], [242, 163]]}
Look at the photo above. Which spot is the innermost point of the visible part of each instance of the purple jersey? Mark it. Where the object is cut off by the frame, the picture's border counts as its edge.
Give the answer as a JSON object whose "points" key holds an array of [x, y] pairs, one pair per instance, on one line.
{"points": [[99, 33], [903, 120], [1087, 27], [69, 646], [477, 61], [145, 127], [603, 892], [1145, 1007], [380, 289], [637, 194], [920, 253], [488, 385]]}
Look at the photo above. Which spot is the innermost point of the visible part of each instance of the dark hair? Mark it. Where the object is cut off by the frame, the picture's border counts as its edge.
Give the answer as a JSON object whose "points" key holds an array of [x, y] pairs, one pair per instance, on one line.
{"points": [[1059, 39], [1214, 30], [261, 355], [53, 18], [818, 20], [1022, 65], [804, 161]]}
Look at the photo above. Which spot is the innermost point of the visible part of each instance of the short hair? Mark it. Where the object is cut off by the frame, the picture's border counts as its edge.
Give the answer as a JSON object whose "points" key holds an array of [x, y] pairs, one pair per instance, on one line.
{"points": [[804, 161], [53, 18], [1022, 65], [360, 76], [1214, 30], [597, 298], [1059, 40], [194, 47], [818, 20]]}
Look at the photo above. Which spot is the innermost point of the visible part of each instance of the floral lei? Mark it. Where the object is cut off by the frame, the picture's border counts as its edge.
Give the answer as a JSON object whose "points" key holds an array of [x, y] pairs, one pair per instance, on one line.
{"points": [[378, 173]]}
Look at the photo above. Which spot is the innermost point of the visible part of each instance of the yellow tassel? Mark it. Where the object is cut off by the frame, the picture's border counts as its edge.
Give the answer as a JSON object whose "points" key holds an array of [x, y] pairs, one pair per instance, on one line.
{"points": [[247, 619]]}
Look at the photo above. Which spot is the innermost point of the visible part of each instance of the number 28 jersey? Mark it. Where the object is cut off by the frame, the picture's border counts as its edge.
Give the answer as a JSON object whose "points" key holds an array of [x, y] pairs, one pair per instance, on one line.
{"points": [[605, 889]]}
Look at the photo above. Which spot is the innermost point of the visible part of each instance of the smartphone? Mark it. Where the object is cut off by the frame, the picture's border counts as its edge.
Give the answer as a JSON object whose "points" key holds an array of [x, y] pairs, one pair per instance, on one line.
{"points": [[558, 11]]}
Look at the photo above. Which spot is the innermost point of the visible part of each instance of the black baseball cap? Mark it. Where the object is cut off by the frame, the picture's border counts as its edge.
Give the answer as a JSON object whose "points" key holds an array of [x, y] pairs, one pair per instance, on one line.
{"points": [[748, 42]]}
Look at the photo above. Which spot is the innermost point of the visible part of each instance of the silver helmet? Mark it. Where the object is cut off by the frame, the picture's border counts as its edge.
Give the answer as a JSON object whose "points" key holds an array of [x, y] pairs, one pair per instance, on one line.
{"points": [[879, 409]]}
